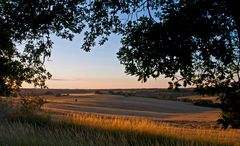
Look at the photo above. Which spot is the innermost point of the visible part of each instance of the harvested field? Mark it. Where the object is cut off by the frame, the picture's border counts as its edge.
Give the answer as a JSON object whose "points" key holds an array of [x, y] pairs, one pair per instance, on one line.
{"points": [[164, 110]]}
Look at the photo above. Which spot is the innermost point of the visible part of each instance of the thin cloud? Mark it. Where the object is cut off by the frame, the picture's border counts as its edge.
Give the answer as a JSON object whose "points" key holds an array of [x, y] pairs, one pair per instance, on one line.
{"points": [[64, 79]]}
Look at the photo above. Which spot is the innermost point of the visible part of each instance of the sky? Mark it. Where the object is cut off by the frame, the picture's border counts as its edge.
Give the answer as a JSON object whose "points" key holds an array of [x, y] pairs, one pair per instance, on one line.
{"points": [[73, 68]]}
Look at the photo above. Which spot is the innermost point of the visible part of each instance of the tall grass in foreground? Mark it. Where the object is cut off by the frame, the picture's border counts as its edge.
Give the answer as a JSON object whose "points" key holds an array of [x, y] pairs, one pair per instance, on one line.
{"points": [[154, 128], [97, 130]]}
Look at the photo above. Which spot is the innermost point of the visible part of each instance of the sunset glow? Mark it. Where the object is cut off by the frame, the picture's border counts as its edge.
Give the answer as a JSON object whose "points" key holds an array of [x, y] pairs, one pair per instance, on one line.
{"points": [[73, 68]]}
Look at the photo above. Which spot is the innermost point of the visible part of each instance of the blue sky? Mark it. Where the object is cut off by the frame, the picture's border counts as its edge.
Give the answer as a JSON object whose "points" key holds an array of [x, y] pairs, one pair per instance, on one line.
{"points": [[74, 68]]}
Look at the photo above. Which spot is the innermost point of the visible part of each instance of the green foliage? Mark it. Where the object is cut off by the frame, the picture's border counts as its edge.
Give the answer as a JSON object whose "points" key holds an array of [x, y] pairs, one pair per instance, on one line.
{"points": [[99, 92], [48, 93], [111, 92], [123, 93], [206, 103], [25, 107], [230, 103], [193, 43], [31, 104], [58, 94], [29, 24], [186, 100], [176, 47]]}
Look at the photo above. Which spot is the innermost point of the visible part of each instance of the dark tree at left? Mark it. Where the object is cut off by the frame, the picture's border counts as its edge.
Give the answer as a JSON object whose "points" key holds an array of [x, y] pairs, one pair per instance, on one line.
{"points": [[26, 27], [25, 43]]}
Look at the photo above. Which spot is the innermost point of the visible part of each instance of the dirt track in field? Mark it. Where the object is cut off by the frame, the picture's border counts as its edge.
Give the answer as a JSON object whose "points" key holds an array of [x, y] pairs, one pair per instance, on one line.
{"points": [[132, 106]]}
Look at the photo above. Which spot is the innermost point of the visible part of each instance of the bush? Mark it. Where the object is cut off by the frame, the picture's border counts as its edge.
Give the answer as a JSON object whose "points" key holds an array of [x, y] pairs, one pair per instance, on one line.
{"points": [[129, 94], [58, 95], [31, 104], [230, 106], [14, 94], [48, 93], [111, 92], [186, 100], [206, 103], [23, 108], [98, 92]]}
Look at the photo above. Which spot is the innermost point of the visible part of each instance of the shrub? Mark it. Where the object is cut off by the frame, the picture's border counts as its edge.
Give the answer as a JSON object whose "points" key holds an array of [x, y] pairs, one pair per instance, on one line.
{"points": [[111, 92], [186, 100], [58, 94], [230, 106], [48, 93], [207, 103], [129, 94], [23, 108], [98, 92], [31, 104]]}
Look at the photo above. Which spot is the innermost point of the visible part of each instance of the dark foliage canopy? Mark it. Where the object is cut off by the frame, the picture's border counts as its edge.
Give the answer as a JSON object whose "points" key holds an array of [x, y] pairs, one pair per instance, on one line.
{"points": [[193, 42], [189, 43]]}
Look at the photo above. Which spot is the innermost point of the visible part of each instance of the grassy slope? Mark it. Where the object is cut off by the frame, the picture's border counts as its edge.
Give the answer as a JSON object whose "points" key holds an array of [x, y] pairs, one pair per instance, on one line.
{"points": [[91, 129], [85, 129]]}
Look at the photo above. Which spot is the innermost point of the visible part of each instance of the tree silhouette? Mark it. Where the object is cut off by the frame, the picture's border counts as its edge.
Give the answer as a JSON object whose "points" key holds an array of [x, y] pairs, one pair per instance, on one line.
{"points": [[29, 24], [192, 42]]}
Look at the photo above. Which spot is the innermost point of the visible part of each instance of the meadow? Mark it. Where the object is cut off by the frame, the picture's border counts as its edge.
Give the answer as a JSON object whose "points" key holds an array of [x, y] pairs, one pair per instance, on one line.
{"points": [[72, 127], [85, 129]]}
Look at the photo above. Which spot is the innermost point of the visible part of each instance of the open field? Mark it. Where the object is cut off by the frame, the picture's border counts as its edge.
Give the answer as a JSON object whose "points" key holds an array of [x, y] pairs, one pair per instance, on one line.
{"points": [[164, 110], [87, 118]]}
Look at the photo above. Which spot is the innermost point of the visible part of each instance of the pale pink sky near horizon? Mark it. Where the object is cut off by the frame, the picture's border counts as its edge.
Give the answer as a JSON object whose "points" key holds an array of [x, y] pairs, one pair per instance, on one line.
{"points": [[72, 68]]}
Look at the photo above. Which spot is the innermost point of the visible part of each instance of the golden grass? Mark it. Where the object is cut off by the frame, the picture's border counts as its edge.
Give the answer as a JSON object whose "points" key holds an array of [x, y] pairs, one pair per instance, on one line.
{"points": [[100, 130], [197, 97], [140, 125], [96, 129]]}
